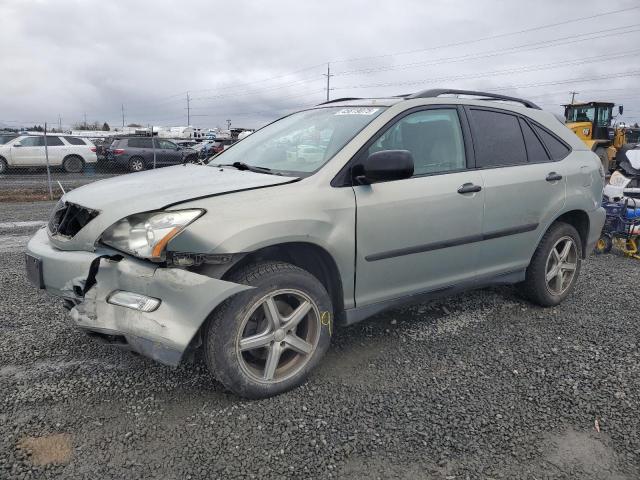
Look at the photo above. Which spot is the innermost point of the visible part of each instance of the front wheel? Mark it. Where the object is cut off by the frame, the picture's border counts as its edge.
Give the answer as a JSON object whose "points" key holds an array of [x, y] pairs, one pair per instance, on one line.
{"points": [[265, 341], [554, 267], [3, 166]]}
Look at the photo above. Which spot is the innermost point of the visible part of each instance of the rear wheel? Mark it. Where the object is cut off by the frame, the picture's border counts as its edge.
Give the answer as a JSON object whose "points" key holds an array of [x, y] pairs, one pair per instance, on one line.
{"points": [[73, 164], [3, 166], [266, 340], [554, 267], [136, 164]]}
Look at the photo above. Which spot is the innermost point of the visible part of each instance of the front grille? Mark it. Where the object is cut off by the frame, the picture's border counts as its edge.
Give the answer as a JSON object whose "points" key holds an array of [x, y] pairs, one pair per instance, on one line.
{"points": [[68, 219]]}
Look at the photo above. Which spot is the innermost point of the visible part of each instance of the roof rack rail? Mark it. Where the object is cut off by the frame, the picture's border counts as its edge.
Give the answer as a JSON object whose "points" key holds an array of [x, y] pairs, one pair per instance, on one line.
{"points": [[436, 92], [345, 99]]}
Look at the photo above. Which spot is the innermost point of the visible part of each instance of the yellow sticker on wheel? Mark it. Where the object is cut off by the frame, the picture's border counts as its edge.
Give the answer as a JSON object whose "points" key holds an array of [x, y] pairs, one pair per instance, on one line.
{"points": [[325, 319]]}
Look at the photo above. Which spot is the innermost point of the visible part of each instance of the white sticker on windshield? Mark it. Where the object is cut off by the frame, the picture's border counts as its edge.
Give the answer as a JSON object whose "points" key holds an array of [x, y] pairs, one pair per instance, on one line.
{"points": [[357, 111]]}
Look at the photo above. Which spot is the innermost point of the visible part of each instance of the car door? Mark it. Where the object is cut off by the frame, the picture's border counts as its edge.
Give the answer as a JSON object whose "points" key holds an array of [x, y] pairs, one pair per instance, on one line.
{"points": [[524, 188], [27, 151], [56, 150], [168, 152], [419, 234]]}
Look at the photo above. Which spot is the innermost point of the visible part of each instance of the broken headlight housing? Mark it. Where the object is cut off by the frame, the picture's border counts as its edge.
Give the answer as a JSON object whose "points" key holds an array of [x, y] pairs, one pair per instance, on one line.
{"points": [[146, 235]]}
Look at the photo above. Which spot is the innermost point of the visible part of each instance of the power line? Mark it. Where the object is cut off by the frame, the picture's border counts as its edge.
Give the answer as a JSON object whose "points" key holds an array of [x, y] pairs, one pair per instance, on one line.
{"points": [[524, 69], [492, 53], [489, 37]]}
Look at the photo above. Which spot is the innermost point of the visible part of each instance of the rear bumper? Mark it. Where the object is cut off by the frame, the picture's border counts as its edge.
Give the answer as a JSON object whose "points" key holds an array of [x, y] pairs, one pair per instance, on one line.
{"points": [[596, 222], [187, 298]]}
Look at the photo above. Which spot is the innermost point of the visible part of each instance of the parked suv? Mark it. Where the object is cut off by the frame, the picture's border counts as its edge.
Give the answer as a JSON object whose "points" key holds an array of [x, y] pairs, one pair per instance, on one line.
{"points": [[137, 153], [71, 153], [260, 255]]}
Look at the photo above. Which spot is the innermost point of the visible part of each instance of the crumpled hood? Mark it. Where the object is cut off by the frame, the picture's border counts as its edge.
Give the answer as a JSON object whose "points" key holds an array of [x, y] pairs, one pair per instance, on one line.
{"points": [[118, 197]]}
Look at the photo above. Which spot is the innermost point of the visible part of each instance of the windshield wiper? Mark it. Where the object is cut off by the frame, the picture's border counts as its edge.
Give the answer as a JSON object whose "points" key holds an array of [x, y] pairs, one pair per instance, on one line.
{"points": [[251, 168]]}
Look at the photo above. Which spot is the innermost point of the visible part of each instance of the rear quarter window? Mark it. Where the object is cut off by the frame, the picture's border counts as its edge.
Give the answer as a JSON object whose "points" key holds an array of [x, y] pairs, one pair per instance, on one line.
{"points": [[497, 139], [535, 150], [556, 148]]}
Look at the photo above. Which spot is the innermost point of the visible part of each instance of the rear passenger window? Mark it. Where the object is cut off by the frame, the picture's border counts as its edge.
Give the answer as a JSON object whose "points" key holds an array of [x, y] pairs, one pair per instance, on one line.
{"points": [[74, 140], [53, 142], [140, 142], [557, 149], [535, 150], [433, 137], [497, 139]]}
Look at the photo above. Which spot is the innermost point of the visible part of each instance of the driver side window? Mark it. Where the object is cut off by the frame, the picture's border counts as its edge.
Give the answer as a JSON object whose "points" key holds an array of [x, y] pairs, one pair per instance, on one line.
{"points": [[32, 142], [434, 138], [167, 145]]}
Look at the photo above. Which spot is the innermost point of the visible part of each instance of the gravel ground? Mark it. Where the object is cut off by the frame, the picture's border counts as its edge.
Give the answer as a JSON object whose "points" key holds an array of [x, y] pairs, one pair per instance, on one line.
{"points": [[479, 386]]}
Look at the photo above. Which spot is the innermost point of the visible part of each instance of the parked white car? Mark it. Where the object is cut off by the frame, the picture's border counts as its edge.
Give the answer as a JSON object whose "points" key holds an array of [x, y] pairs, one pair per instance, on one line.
{"points": [[71, 153]]}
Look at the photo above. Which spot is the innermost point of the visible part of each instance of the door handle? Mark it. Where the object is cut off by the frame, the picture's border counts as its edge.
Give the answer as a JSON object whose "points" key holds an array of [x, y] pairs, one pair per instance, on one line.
{"points": [[469, 188], [553, 177]]}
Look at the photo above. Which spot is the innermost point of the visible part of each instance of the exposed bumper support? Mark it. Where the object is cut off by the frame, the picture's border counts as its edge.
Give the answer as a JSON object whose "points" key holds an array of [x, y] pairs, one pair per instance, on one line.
{"points": [[164, 334]]}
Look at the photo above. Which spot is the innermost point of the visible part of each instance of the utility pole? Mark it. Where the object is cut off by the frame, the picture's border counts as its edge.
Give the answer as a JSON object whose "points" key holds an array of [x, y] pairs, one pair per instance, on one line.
{"points": [[573, 96], [85, 120], [46, 155], [59, 123], [188, 110], [229, 125], [123, 115], [328, 75]]}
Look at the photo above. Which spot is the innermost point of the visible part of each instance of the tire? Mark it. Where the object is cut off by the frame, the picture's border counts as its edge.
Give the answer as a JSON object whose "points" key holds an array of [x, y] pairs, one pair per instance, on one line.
{"points": [[136, 164], [604, 244], [245, 369], [604, 158], [4, 167], [550, 292], [73, 164]]}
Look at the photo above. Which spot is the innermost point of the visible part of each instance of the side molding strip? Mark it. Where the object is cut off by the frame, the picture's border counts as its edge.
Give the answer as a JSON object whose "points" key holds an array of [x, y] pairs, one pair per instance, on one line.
{"points": [[451, 243]]}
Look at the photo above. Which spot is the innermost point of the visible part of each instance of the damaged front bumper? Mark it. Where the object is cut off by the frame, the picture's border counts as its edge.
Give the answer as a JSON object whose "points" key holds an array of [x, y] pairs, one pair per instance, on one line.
{"points": [[186, 298]]}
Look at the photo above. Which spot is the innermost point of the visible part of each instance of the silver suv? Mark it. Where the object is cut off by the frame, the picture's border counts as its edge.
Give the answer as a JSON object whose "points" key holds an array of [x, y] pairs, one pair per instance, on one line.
{"points": [[322, 219]]}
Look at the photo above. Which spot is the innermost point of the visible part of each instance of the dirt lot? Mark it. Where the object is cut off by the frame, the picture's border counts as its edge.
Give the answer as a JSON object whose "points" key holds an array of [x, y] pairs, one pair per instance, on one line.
{"points": [[479, 386]]}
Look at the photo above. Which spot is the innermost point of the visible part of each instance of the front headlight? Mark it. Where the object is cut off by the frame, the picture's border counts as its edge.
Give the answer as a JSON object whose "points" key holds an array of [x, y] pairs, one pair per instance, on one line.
{"points": [[146, 235], [617, 179]]}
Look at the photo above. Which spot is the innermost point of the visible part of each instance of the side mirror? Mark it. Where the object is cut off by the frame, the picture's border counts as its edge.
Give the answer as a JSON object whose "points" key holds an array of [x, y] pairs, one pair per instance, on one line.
{"points": [[384, 166], [620, 109], [16, 144]]}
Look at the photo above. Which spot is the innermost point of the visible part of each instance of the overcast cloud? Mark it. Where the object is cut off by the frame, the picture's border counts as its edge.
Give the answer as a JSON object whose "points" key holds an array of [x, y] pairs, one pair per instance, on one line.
{"points": [[69, 58]]}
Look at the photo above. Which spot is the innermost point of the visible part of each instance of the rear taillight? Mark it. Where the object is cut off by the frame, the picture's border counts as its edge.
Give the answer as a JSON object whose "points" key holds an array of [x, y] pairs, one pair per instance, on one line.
{"points": [[93, 149], [118, 151]]}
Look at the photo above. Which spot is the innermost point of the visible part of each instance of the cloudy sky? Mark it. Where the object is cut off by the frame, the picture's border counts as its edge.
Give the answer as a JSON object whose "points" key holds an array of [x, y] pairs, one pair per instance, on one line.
{"points": [[252, 61]]}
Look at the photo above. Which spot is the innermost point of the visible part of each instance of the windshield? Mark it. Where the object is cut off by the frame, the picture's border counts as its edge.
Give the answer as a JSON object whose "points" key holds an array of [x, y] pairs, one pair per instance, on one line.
{"points": [[302, 142], [580, 114]]}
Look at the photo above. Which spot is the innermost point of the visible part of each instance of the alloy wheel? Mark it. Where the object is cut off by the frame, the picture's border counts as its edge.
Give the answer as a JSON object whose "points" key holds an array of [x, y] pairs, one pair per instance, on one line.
{"points": [[278, 336], [137, 165], [561, 265]]}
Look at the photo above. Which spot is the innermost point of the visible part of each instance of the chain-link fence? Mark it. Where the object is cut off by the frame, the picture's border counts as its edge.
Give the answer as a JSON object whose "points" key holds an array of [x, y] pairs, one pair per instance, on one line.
{"points": [[35, 165]]}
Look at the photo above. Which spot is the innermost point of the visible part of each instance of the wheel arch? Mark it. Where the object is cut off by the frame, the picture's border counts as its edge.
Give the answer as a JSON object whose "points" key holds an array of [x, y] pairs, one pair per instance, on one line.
{"points": [[71, 155], [578, 219], [309, 256]]}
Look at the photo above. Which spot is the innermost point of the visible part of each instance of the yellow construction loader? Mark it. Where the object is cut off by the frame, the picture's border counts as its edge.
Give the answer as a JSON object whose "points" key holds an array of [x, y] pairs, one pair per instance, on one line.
{"points": [[591, 121]]}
